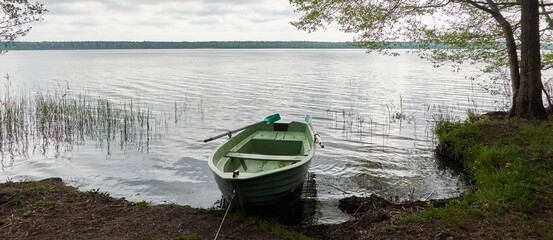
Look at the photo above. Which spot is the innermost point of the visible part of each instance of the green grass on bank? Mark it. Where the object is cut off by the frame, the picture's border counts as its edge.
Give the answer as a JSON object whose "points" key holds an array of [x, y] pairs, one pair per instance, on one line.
{"points": [[510, 164], [268, 225]]}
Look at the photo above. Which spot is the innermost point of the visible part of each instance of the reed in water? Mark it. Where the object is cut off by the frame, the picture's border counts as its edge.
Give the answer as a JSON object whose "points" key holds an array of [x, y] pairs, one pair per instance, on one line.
{"points": [[54, 122]]}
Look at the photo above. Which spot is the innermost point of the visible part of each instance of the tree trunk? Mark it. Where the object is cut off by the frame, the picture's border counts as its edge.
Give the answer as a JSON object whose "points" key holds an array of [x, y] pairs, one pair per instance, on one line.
{"points": [[529, 103], [513, 63], [514, 66]]}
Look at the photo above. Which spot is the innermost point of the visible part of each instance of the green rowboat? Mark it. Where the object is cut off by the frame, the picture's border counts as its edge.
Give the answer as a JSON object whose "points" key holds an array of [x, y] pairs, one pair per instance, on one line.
{"points": [[264, 163]]}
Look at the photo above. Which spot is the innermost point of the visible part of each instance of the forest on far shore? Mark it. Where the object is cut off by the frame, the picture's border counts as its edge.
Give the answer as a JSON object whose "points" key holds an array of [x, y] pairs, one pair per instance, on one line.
{"points": [[67, 45]]}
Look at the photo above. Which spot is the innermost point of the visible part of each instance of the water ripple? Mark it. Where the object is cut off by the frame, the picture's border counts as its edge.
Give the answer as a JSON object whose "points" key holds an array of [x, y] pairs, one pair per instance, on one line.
{"points": [[375, 114]]}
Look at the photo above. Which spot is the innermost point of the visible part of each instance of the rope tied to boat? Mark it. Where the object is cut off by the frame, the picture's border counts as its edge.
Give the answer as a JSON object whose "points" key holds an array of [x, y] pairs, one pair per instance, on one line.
{"points": [[225, 216]]}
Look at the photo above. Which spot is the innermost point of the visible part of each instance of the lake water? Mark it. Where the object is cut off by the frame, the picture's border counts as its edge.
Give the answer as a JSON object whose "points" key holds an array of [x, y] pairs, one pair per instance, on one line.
{"points": [[375, 114]]}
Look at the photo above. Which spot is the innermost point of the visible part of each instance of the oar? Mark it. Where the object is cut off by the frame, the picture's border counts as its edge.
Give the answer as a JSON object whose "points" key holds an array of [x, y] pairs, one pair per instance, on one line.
{"points": [[268, 120], [315, 133]]}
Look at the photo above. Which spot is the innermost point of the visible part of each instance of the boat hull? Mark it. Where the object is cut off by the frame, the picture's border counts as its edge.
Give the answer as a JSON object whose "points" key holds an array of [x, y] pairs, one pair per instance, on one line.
{"points": [[263, 165], [265, 190]]}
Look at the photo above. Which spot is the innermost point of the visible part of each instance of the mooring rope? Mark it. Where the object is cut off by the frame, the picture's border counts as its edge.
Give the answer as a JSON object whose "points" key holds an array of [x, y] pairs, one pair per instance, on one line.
{"points": [[226, 212]]}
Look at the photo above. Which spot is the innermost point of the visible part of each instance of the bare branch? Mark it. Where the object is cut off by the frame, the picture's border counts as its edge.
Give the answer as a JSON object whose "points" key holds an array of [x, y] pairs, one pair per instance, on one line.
{"points": [[481, 6]]}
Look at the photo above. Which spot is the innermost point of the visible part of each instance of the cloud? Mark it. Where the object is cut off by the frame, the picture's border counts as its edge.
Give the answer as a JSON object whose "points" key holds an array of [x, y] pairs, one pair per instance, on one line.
{"points": [[173, 20]]}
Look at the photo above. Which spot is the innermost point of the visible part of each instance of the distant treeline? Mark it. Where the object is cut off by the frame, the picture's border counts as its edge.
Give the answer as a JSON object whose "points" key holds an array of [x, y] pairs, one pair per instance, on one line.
{"points": [[181, 45], [215, 44]]}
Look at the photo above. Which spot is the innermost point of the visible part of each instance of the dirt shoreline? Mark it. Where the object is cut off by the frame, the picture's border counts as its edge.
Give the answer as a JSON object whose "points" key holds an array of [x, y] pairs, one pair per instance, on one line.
{"points": [[509, 163], [49, 209]]}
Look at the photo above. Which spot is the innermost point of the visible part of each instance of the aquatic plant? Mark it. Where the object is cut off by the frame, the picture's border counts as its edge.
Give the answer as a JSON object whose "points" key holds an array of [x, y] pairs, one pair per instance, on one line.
{"points": [[54, 122]]}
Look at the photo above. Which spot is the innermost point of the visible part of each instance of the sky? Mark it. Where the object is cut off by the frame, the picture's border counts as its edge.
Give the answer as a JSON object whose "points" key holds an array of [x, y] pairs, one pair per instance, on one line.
{"points": [[174, 20]]}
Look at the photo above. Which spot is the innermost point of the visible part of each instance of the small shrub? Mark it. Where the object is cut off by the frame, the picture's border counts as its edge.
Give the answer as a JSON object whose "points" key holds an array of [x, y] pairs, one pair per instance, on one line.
{"points": [[142, 204], [101, 193]]}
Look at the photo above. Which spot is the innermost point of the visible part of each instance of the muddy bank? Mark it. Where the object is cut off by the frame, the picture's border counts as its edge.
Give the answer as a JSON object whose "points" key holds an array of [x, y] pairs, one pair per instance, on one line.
{"points": [[374, 218], [49, 209]]}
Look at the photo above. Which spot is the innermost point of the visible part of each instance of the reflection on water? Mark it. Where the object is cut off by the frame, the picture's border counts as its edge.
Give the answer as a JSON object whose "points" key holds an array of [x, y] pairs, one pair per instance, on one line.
{"points": [[54, 124], [150, 110]]}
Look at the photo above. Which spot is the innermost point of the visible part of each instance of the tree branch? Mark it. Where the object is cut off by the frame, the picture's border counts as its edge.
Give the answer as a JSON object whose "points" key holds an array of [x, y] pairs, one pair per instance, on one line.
{"points": [[547, 16], [482, 7], [437, 5]]}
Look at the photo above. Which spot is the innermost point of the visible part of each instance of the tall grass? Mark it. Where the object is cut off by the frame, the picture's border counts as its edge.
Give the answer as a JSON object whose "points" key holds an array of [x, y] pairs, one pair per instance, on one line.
{"points": [[395, 117], [55, 122]]}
